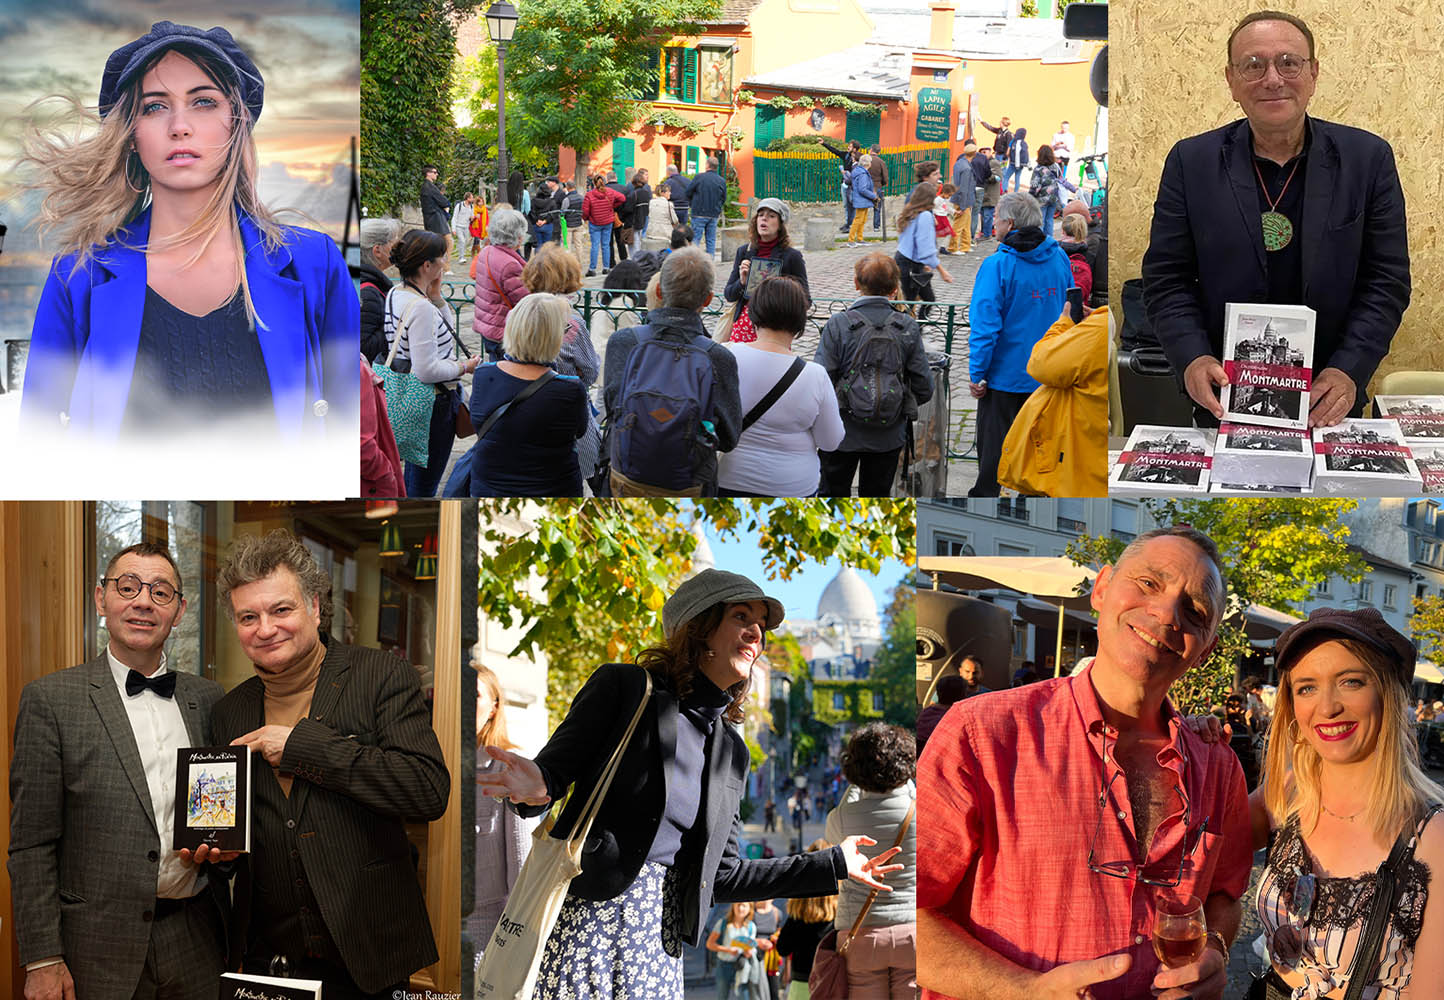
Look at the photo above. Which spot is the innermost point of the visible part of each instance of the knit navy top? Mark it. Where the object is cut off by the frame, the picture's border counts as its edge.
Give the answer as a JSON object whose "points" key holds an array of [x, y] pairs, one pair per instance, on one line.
{"points": [[700, 711], [196, 366]]}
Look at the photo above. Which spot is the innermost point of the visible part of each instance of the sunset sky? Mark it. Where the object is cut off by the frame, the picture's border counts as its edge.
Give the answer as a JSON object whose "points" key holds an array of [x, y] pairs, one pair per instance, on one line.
{"points": [[308, 57]]}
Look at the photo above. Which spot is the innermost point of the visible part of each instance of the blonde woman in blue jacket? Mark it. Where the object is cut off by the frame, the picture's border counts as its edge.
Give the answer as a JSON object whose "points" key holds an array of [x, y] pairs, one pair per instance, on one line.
{"points": [[176, 295]]}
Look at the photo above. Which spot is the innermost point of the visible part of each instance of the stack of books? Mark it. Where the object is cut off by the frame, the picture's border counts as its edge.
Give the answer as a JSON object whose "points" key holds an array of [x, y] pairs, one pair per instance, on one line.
{"points": [[1252, 459], [1367, 458], [1421, 421], [1163, 461]]}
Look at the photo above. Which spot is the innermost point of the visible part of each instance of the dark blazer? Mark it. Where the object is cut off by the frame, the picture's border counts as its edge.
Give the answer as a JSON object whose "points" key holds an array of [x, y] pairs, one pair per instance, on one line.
{"points": [[792, 264], [365, 761], [1206, 246], [83, 837], [708, 865]]}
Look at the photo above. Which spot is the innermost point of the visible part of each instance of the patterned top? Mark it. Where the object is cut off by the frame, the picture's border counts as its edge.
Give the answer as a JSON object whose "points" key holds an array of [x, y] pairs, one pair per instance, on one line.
{"points": [[1341, 906]]}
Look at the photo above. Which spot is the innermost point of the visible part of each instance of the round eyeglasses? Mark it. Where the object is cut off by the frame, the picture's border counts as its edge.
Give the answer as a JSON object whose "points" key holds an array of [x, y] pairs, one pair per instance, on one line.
{"points": [[128, 585], [1253, 68]]}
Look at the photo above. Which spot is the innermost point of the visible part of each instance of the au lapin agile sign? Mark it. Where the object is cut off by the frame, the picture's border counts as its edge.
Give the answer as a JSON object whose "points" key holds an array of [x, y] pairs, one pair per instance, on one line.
{"points": [[934, 114]]}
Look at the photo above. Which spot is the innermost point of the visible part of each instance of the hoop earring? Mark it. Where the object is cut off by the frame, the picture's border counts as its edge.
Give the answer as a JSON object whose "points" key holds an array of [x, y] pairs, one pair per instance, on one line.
{"points": [[135, 157], [1293, 731]]}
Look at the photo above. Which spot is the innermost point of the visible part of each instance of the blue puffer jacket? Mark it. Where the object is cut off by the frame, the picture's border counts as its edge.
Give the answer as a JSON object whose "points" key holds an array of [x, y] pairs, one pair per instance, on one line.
{"points": [[861, 192], [1018, 294]]}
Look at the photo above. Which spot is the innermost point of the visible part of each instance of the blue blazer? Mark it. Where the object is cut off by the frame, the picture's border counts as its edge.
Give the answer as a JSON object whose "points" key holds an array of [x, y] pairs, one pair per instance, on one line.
{"points": [[87, 330], [1206, 246]]}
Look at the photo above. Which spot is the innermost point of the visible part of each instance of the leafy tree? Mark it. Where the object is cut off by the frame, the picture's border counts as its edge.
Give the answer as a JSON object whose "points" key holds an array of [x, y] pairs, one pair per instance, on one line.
{"points": [[896, 664], [1427, 624], [579, 65], [603, 568], [1274, 552], [474, 157], [407, 48]]}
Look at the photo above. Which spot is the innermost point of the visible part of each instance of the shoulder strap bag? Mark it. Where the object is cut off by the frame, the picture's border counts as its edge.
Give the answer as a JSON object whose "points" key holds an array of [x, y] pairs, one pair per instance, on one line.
{"points": [[499, 291], [1388, 881], [775, 393], [531, 389], [512, 959], [829, 966]]}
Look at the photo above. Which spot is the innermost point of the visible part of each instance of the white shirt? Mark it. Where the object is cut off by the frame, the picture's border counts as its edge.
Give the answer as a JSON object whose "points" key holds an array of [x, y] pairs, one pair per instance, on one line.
{"points": [[1063, 143], [778, 454], [159, 732], [461, 216]]}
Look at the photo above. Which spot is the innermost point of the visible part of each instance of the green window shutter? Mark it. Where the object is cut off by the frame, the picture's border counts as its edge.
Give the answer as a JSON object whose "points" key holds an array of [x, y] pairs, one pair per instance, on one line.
{"points": [[654, 89], [694, 159], [864, 128], [689, 76], [672, 71], [624, 154], [770, 125]]}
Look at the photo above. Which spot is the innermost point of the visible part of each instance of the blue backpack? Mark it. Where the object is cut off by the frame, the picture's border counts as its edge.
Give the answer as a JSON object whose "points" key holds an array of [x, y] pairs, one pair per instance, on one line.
{"points": [[661, 432]]}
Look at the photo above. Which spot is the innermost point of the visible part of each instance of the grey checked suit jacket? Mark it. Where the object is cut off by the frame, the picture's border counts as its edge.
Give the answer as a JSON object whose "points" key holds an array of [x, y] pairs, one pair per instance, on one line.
{"points": [[365, 761], [84, 845]]}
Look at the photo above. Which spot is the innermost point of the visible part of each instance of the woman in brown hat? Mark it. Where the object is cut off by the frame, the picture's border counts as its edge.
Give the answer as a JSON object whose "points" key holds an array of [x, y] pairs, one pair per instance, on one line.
{"points": [[1342, 787], [664, 846]]}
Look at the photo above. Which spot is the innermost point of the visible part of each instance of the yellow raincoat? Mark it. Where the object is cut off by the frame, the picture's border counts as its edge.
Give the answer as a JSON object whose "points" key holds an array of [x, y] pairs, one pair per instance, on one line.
{"points": [[1058, 445]]}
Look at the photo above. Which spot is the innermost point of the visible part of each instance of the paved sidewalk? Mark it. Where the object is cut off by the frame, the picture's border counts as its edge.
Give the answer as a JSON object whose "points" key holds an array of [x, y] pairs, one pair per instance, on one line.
{"points": [[830, 276]]}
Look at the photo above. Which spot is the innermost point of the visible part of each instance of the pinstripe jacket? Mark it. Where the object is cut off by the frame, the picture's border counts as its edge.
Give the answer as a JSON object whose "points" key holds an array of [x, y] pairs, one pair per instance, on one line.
{"points": [[84, 844], [365, 761]]}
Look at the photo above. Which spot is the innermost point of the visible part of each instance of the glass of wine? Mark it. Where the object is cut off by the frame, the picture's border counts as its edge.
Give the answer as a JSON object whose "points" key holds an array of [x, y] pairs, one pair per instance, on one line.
{"points": [[1179, 930]]}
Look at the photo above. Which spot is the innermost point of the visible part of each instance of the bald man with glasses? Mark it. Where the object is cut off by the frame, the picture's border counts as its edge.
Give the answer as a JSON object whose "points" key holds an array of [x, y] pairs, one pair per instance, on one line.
{"points": [[1278, 207], [1057, 814], [104, 908]]}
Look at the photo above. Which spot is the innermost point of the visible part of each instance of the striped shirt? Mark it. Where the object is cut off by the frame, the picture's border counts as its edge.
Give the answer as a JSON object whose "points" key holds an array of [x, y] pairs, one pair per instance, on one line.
{"points": [[431, 353]]}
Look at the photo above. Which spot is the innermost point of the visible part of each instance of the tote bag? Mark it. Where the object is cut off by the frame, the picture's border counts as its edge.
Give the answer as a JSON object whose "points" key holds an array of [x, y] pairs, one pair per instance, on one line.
{"points": [[510, 964], [408, 399]]}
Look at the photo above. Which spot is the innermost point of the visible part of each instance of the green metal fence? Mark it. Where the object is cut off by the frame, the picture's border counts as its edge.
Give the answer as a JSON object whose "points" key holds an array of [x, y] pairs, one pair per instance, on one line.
{"points": [[813, 175], [627, 309]]}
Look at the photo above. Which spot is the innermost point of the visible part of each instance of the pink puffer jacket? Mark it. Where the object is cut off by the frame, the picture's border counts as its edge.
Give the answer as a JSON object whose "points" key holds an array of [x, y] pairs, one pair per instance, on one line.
{"points": [[498, 288]]}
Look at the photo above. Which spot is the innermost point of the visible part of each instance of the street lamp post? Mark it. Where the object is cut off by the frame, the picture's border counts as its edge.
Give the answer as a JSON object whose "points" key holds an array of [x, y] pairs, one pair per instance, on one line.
{"points": [[501, 18]]}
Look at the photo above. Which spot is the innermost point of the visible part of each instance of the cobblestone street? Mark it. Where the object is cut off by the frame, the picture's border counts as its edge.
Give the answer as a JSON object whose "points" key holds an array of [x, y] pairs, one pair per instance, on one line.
{"points": [[830, 276]]}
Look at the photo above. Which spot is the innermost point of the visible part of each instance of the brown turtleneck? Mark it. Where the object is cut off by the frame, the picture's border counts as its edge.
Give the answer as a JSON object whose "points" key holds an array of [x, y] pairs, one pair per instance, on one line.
{"points": [[288, 697]]}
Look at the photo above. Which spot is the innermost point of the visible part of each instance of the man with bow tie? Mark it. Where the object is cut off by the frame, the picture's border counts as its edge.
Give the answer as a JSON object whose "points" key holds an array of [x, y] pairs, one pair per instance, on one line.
{"points": [[103, 907]]}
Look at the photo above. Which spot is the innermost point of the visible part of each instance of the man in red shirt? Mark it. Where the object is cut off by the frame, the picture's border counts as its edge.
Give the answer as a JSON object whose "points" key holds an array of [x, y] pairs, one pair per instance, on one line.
{"points": [[1052, 816]]}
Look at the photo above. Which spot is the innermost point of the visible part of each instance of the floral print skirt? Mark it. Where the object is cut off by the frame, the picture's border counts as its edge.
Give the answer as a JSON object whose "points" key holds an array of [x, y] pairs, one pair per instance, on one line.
{"points": [[614, 949]]}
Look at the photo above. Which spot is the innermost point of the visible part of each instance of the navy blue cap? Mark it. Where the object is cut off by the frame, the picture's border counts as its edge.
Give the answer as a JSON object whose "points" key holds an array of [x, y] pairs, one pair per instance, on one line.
{"points": [[125, 62]]}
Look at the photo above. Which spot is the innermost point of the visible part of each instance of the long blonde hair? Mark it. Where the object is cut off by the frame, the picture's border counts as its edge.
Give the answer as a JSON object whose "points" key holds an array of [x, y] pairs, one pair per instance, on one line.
{"points": [[493, 732], [94, 186], [814, 909], [1293, 767]]}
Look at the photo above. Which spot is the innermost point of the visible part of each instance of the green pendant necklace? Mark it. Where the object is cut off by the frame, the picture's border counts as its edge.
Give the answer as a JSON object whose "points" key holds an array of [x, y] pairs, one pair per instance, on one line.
{"points": [[1278, 231]]}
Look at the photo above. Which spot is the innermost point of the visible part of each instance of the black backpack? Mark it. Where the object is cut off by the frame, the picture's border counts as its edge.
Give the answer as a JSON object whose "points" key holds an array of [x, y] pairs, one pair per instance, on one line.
{"points": [[871, 389]]}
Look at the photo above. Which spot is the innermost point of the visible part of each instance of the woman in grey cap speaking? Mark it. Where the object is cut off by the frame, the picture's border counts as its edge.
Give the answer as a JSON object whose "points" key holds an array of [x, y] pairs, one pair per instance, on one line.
{"points": [[664, 846], [768, 251], [176, 298], [1343, 798]]}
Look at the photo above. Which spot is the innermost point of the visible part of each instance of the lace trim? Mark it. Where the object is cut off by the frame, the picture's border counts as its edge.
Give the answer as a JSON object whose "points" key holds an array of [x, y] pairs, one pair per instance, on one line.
{"points": [[1341, 903]]}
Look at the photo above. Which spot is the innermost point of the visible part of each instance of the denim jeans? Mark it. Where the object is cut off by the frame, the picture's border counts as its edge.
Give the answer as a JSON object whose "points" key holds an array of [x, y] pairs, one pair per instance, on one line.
{"points": [[877, 216], [985, 221], [702, 224], [1013, 173], [601, 238]]}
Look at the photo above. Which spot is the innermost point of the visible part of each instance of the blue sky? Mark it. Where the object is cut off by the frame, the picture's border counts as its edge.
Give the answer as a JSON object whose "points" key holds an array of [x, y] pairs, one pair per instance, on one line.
{"points": [[799, 595]]}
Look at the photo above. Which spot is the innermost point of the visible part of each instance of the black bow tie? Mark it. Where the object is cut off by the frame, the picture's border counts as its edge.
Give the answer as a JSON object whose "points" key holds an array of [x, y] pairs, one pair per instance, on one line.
{"points": [[164, 685]]}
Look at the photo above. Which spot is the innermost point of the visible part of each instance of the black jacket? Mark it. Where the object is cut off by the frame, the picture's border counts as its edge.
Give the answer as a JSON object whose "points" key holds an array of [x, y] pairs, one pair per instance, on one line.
{"points": [[708, 864], [707, 193], [435, 209], [624, 211], [366, 762], [677, 190], [373, 307], [1206, 246], [571, 206], [792, 264]]}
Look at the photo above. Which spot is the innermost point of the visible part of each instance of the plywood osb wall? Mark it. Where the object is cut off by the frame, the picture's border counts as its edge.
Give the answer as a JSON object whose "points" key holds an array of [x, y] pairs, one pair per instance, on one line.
{"points": [[1379, 69]]}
